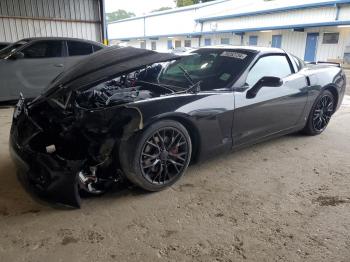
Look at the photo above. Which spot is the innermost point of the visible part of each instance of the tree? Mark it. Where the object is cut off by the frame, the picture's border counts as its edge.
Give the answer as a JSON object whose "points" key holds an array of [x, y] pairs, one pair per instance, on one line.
{"points": [[118, 15], [180, 3], [161, 9]]}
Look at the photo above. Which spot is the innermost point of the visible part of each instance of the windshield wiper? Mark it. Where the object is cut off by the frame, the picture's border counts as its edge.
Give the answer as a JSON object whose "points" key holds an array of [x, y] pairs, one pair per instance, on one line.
{"points": [[194, 87], [187, 75]]}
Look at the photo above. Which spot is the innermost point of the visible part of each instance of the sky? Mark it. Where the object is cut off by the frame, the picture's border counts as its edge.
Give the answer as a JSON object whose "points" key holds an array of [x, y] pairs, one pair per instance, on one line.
{"points": [[139, 7]]}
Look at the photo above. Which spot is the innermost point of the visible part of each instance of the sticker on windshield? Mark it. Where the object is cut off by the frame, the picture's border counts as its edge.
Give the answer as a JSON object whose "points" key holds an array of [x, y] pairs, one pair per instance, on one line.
{"points": [[234, 55], [225, 76]]}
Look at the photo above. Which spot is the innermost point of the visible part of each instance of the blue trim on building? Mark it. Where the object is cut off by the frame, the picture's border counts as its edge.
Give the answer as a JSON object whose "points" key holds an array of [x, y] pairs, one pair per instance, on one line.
{"points": [[274, 10], [194, 34]]}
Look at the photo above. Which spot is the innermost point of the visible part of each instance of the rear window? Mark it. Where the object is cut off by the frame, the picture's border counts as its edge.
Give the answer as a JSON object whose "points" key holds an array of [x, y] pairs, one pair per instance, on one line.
{"points": [[78, 48], [43, 49]]}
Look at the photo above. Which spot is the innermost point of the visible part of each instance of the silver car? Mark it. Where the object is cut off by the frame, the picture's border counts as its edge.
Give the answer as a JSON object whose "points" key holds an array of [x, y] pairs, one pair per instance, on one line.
{"points": [[29, 65]]}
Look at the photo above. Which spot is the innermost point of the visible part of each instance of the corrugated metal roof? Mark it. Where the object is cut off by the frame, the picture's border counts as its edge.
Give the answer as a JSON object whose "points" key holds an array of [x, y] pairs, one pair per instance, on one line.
{"points": [[254, 7], [34, 18]]}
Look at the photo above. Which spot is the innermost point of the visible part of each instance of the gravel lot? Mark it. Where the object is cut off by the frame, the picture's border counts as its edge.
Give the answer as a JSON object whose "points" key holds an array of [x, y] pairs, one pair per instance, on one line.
{"points": [[284, 200]]}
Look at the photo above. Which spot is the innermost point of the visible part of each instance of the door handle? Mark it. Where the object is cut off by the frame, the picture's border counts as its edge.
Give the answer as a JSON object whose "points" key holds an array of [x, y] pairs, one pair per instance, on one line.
{"points": [[58, 65]]}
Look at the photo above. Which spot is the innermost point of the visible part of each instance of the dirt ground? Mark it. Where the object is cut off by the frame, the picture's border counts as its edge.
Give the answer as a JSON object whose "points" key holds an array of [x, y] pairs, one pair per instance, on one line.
{"points": [[284, 200]]}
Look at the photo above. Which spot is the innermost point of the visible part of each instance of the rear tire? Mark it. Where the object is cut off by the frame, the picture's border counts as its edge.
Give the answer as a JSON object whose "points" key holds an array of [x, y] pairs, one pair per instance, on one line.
{"points": [[157, 157], [320, 114]]}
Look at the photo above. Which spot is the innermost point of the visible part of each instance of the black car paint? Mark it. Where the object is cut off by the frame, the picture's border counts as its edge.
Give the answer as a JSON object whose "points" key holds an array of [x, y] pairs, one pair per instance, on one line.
{"points": [[3, 45], [218, 121]]}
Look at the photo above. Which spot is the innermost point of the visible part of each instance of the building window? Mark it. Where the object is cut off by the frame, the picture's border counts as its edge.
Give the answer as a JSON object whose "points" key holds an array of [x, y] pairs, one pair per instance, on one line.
{"points": [[170, 44], [154, 45], [177, 43], [187, 43], [143, 44], [253, 40], [225, 41], [276, 41], [330, 38], [207, 41]]}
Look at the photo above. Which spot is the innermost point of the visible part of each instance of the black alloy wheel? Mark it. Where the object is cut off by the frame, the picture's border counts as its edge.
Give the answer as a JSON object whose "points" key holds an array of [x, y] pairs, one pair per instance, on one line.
{"points": [[322, 112], [158, 156], [164, 155]]}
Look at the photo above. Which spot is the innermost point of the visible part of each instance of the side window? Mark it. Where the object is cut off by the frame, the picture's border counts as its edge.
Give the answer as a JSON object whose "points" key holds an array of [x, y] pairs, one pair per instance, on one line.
{"points": [[43, 49], [273, 65], [96, 48], [76, 48]]}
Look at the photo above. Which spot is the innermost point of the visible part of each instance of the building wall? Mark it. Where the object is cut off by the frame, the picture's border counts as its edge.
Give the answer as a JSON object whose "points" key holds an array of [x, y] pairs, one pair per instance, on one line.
{"points": [[306, 16], [293, 42], [33, 18], [237, 20]]}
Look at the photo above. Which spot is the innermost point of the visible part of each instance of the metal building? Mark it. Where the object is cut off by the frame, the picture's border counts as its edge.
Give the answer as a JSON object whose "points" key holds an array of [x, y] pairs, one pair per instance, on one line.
{"points": [[40, 18], [311, 29]]}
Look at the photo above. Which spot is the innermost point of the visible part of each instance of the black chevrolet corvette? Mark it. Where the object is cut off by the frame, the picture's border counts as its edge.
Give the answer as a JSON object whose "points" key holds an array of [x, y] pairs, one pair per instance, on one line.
{"points": [[142, 115]]}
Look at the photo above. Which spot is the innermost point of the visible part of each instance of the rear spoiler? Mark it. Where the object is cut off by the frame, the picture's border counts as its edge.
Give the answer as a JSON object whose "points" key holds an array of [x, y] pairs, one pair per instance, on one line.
{"points": [[327, 63]]}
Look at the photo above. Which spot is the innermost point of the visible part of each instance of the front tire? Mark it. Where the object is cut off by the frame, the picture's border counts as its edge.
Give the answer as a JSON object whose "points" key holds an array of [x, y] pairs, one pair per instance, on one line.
{"points": [[320, 114], [157, 157]]}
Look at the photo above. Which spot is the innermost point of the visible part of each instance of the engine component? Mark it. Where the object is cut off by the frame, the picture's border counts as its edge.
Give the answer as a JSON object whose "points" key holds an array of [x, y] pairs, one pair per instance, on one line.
{"points": [[88, 181]]}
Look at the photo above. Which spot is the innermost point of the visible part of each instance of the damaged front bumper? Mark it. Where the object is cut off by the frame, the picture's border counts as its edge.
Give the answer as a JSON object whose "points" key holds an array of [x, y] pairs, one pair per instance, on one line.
{"points": [[47, 176]]}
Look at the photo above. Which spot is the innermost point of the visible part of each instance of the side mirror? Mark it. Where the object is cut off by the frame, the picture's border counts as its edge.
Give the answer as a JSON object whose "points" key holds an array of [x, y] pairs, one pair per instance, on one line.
{"points": [[17, 55], [269, 81]]}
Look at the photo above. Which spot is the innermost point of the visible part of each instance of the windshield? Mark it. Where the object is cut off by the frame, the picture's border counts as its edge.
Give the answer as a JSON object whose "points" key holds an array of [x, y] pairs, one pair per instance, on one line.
{"points": [[12, 48], [216, 69]]}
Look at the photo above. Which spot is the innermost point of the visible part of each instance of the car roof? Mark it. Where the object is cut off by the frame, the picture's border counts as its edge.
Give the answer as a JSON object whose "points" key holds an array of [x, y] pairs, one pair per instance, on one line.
{"points": [[259, 49], [61, 38]]}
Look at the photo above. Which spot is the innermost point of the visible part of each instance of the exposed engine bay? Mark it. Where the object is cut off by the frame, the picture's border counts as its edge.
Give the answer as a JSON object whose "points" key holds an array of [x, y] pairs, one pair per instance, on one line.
{"points": [[124, 89]]}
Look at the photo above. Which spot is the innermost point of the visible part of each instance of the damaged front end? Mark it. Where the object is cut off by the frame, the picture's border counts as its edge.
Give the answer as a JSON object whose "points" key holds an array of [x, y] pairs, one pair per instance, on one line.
{"points": [[66, 140], [63, 152]]}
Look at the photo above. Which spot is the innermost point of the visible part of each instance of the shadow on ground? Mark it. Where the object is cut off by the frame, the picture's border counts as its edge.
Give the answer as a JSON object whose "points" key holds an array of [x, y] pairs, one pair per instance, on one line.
{"points": [[15, 200]]}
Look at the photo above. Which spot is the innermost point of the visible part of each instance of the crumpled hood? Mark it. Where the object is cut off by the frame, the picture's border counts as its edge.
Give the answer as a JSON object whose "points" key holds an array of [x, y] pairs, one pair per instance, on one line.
{"points": [[104, 64]]}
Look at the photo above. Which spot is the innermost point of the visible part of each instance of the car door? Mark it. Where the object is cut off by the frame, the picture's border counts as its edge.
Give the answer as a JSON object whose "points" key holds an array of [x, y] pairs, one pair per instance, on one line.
{"points": [[77, 50], [273, 109], [41, 61]]}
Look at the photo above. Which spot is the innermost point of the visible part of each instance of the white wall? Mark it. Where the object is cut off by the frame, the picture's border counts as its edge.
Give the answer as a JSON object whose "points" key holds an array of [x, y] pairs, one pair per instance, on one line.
{"points": [[333, 51], [293, 42], [180, 24], [308, 16]]}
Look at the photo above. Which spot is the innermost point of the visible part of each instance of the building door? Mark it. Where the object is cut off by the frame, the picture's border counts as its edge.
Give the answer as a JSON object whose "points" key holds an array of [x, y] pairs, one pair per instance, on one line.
{"points": [[311, 47], [253, 40], [177, 43], [276, 41], [170, 44]]}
